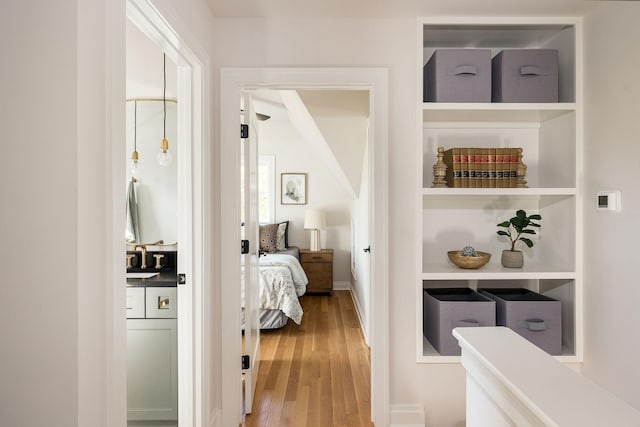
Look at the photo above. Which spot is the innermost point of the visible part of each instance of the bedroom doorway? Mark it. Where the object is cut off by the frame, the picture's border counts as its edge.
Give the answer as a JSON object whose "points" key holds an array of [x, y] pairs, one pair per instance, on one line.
{"points": [[235, 81]]}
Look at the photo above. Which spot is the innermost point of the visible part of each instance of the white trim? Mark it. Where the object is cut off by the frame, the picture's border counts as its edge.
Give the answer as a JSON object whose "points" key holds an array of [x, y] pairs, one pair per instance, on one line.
{"points": [[360, 314], [194, 216], [407, 416], [341, 285], [376, 81]]}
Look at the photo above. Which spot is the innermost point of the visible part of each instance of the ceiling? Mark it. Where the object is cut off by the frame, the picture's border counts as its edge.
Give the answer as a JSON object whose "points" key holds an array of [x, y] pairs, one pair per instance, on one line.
{"points": [[393, 8]]}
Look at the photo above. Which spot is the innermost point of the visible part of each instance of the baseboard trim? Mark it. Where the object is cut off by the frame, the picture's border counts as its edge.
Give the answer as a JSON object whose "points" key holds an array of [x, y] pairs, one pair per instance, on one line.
{"points": [[341, 286], [407, 416], [365, 333]]}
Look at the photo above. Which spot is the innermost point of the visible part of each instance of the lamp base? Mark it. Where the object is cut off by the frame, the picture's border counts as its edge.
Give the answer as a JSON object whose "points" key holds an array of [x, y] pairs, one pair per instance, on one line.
{"points": [[315, 241]]}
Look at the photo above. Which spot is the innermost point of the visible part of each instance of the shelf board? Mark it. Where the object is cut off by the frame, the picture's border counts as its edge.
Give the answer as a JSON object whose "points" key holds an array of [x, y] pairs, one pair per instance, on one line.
{"points": [[569, 191], [494, 271], [430, 355], [433, 112]]}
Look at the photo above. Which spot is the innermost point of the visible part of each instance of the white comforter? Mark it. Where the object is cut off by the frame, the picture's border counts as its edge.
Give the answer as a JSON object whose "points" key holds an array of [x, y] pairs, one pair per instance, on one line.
{"points": [[282, 281]]}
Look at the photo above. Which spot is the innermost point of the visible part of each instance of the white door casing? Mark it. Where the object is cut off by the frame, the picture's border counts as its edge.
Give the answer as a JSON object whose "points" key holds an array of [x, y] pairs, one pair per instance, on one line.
{"points": [[232, 82], [250, 278], [194, 240]]}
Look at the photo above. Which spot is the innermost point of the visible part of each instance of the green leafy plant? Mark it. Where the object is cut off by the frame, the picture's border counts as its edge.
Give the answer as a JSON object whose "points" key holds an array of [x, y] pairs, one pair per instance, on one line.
{"points": [[519, 225]]}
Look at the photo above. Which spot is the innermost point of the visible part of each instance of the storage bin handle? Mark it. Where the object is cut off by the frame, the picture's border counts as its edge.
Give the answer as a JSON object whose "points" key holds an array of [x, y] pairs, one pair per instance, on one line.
{"points": [[465, 69], [467, 323], [530, 70], [534, 325]]}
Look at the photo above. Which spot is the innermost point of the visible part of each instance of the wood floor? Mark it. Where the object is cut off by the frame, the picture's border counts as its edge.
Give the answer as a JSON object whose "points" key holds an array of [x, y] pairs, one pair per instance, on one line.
{"points": [[316, 374]]}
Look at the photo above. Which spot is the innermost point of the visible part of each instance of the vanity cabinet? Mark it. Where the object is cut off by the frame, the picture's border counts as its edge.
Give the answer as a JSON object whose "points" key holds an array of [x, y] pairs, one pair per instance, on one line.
{"points": [[152, 355], [550, 135]]}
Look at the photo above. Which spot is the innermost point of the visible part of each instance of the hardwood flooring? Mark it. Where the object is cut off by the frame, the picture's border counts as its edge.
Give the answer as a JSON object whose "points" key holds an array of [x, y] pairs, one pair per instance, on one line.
{"points": [[316, 374]]}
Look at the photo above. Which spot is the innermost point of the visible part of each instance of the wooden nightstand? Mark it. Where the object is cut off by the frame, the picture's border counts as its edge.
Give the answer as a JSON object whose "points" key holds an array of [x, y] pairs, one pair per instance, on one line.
{"points": [[318, 265]]}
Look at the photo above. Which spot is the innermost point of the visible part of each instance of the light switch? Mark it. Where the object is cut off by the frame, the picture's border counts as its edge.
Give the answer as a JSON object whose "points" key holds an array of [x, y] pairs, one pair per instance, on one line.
{"points": [[609, 201]]}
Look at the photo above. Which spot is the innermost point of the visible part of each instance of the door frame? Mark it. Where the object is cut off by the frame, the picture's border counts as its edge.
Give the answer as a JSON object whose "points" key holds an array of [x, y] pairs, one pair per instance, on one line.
{"points": [[232, 81], [194, 213]]}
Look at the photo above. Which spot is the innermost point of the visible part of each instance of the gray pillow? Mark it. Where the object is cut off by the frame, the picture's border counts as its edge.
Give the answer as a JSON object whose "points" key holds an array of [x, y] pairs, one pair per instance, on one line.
{"points": [[281, 241]]}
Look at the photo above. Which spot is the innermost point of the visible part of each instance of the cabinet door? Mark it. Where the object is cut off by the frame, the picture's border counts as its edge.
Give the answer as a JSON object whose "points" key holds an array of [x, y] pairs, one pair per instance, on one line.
{"points": [[152, 369]]}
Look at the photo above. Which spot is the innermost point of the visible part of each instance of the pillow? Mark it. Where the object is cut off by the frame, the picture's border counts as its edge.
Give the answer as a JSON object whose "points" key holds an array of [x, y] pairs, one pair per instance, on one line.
{"points": [[268, 237], [282, 242]]}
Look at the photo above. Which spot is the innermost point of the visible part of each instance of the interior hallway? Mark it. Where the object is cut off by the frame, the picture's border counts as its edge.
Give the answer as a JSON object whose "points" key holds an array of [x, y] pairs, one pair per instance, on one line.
{"points": [[315, 374]]}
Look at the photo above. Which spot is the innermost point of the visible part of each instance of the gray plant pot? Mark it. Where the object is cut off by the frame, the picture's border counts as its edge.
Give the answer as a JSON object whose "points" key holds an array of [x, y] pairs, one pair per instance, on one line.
{"points": [[512, 259]]}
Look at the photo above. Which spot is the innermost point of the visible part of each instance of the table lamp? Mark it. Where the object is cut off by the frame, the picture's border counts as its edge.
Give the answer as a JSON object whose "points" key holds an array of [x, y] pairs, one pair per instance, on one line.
{"points": [[314, 220]]}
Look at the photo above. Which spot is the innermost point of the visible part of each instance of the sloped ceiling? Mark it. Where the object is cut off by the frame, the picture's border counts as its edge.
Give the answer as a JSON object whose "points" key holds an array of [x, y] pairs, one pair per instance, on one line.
{"points": [[394, 8], [333, 124]]}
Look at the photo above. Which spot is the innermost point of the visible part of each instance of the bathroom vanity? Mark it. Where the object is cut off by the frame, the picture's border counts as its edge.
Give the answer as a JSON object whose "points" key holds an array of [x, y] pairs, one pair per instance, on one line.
{"points": [[152, 350]]}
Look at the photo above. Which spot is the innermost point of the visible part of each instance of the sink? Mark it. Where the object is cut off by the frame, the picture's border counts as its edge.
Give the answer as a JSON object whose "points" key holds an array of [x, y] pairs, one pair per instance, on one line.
{"points": [[141, 275]]}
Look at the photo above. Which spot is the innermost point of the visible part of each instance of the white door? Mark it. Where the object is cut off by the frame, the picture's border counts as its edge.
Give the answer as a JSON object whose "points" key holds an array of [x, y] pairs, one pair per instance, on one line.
{"points": [[249, 262]]}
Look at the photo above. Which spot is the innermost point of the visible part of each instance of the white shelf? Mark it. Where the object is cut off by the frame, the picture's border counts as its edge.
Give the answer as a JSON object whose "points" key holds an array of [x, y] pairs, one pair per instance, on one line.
{"points": [[494, 271], [434, 112], [430, 355], [492, 192]]}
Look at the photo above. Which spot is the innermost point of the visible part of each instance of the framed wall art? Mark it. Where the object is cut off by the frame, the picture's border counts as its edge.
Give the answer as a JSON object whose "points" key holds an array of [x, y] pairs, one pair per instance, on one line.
{"points": [[293, 188]]}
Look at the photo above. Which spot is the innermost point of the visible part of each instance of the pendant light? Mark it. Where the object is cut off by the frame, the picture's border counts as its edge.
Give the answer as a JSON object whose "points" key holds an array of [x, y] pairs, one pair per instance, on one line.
{"points": [[164, 157], [135, 162]]}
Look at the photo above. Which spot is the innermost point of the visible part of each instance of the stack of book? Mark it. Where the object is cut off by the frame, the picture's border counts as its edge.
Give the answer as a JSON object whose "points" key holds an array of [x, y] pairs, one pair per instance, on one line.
{"points": [[481, 167]]}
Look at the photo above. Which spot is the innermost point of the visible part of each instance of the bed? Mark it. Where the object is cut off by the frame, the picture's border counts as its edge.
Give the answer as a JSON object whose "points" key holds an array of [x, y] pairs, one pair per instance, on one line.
{"points": [[282, 279]]}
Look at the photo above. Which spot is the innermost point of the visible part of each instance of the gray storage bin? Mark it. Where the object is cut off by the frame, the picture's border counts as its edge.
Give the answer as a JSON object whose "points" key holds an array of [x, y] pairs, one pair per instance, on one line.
{"points": [[525, 75], [458, 75], [536, 317], [446, 309]]}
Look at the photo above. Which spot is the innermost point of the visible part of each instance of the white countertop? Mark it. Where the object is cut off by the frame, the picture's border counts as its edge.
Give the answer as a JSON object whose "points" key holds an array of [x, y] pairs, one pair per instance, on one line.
{"points": [[557, 395]]}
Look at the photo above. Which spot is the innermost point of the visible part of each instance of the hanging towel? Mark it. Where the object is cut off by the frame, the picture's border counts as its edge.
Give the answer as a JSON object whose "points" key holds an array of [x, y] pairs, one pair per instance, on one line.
{"points": [[132, 233]]}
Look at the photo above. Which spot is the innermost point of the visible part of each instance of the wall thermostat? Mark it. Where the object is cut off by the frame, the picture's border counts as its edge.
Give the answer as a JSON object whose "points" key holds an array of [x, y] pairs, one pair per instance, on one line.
{"points": [[609, 201]]}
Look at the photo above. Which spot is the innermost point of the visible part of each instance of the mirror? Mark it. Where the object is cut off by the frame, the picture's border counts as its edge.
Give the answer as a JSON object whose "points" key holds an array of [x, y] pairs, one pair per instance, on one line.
{"points": [[155, 186]]}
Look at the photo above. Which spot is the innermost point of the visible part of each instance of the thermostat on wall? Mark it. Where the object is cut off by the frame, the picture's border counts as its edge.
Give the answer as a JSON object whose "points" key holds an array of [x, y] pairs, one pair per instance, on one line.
{"points": [[609, 201]]}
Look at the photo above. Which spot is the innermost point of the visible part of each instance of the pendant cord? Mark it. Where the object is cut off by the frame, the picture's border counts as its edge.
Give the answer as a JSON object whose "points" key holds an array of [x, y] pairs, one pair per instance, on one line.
{"points": [[164, 96], [135, 126]]}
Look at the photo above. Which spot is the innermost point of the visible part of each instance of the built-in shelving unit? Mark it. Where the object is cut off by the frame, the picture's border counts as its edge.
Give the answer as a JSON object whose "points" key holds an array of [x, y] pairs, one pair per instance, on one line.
{"points": [[551, 137]]}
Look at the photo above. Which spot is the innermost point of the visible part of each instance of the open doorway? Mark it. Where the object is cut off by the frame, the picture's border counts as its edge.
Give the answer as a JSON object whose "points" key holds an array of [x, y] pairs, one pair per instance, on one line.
{"points": [[192, 222], [232, 84], [320, 135]]}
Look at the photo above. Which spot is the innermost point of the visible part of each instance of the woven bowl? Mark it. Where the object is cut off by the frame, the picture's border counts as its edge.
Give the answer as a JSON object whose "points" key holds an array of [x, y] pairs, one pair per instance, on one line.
{"points": [[469, 262]]}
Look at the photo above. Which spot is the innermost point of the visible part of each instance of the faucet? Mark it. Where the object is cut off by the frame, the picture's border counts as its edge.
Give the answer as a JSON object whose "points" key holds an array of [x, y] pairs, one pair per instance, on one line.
{"points": [[143, 255]]}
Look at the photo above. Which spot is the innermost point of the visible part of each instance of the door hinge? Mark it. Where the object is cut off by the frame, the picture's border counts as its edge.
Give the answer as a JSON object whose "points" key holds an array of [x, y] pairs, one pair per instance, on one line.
{"points": [[246, 361], [244, 246], [244, 131], [182, 279]]}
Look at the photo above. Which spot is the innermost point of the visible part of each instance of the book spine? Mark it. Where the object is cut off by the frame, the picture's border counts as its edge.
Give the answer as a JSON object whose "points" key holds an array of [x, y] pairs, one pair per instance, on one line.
{"points": [[454, 174], [471, 157], [486, 173], [464, 167], [499, 160], [478, 156], [492, 168]]}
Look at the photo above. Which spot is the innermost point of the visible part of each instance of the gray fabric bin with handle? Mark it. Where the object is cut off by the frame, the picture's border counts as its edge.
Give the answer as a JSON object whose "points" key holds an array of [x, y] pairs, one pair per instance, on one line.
{"points": [[525, 75], [449, 308], [536, 317], [458, 75]]}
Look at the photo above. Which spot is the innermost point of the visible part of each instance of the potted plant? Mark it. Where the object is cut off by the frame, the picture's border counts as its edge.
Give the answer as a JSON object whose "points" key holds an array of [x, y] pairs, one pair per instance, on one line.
{"points": [[514, 230]]}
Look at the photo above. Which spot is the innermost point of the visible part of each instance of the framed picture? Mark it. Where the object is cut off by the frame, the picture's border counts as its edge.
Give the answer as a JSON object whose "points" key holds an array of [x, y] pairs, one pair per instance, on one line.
{"points": [[293, 188]]}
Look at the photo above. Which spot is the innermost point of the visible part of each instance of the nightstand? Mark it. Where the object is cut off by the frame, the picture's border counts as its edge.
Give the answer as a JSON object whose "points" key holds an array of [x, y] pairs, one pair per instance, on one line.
{"points": [[318, 266]]}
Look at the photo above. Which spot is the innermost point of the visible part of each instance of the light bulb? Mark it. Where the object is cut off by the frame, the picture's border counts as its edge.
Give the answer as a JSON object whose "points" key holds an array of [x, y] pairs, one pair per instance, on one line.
{"points": [[134, 163], [164, 157]]}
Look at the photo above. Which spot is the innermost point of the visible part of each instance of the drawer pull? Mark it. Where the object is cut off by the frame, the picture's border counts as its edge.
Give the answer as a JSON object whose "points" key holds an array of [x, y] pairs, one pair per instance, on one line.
{"points": [[316, 257]]}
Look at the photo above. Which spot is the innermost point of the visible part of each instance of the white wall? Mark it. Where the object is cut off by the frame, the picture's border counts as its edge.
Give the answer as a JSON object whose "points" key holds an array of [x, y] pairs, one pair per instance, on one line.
{"points": [[612, 150], [293, 154]]}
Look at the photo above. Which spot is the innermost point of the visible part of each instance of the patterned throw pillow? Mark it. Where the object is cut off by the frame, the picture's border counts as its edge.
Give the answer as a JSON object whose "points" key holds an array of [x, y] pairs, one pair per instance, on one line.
{"points": [[281, 242], [268, 237]]}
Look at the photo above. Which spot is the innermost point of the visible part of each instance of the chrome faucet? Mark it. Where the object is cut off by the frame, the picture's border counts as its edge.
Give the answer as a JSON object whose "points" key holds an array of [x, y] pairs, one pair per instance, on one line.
{"points": [[143, 255]]}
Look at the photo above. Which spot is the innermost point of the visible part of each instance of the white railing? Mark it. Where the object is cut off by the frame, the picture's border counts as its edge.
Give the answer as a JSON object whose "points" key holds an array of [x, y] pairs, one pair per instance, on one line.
{"points": [[511, 382]]}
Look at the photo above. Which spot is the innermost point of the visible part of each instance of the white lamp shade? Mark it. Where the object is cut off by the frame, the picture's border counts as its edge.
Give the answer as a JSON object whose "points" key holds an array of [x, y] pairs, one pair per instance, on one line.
{"points": [[314, 219]]}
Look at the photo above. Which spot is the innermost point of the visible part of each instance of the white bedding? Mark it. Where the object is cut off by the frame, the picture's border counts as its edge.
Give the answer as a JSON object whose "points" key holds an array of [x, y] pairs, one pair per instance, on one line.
{"points": [[282, 281]]}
